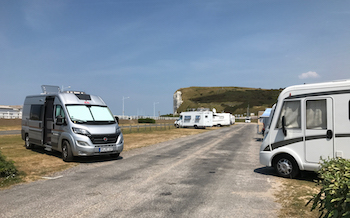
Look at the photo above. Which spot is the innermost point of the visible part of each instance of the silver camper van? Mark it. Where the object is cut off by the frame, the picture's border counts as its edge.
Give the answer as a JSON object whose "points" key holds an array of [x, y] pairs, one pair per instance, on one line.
{"points": [[71, 122]]}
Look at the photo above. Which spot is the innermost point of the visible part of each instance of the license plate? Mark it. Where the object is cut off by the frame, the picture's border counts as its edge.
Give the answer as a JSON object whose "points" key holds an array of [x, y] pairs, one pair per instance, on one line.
{"points": [[106, 149]]}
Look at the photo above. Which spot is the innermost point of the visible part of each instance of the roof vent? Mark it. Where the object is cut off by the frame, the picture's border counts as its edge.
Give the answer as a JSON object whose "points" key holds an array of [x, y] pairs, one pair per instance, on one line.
{"points": [[47, 89]]}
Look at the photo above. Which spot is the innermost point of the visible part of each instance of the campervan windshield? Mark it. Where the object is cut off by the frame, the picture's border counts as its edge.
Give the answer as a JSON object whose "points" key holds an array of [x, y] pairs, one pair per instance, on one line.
{"points": [[90, 114]]}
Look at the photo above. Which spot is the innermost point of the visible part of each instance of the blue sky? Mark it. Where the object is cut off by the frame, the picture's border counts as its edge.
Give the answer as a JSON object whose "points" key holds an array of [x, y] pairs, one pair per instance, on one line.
{"points": [[147, 49]]}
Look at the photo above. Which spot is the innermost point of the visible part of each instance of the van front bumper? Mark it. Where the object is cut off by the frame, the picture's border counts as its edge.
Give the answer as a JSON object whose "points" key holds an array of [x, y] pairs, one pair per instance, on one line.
{"points": [[87, 148], [265, 158]]}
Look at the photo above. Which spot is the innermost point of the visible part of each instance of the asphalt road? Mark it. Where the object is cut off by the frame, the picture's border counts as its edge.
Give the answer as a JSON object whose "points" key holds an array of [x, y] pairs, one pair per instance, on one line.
{"points": [[214, 174], [10, 132]]}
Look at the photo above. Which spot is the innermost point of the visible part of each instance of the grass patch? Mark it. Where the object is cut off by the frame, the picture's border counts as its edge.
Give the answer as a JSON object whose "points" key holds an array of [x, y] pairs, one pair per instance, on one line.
{"points": [[33, 164], [10, 124], [138, 140], [145, 128], [294, 194]]}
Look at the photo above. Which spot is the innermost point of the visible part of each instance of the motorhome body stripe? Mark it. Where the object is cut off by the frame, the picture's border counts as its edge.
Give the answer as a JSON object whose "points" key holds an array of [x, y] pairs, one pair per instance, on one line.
{"points": [[338, 92], [342, 135], [286, 142], [312, 137], [300, 139]]}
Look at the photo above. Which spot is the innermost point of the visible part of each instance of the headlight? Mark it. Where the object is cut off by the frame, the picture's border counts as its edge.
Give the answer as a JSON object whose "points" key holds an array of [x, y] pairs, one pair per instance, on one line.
{"points": [[81, 131], [81, 143], [118, 130]]}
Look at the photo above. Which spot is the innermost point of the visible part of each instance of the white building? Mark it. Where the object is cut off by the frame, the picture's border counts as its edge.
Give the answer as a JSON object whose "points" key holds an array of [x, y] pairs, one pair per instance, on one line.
{"points": [[10, 112]]}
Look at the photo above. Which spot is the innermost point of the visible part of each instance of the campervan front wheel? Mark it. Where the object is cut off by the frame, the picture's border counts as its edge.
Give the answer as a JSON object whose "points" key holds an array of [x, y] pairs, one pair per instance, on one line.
{"points": [[66, 151], [286, 166], [27, 144]]}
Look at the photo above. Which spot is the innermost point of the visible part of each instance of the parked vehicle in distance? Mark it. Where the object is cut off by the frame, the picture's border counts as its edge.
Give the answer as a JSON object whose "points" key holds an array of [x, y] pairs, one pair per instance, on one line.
{"points": [[309, 122], [222, 119], [247, 120], [263, 120], [196, 119], [71, 122]]}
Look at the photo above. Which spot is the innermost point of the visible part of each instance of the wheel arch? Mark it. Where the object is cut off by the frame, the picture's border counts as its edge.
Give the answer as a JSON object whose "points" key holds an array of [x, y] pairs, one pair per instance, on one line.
{"points": [[291, 154]]}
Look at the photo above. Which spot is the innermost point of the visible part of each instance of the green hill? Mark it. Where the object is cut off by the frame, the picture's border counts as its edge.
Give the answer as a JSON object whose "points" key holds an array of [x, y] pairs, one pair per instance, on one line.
{"points": [[228, 99]]}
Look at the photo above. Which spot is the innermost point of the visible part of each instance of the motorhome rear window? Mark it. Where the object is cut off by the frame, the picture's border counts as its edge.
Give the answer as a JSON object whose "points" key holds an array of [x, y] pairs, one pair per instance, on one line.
{"points": [[36, 112], [83, 96]]}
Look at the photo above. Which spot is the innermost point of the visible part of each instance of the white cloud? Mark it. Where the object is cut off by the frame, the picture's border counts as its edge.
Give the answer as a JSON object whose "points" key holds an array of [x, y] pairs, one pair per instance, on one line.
{"points": [[310, 74]]}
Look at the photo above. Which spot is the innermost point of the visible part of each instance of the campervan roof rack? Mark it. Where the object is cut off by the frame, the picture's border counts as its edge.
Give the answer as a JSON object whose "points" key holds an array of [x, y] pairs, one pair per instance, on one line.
{"points": [[75, 92]]}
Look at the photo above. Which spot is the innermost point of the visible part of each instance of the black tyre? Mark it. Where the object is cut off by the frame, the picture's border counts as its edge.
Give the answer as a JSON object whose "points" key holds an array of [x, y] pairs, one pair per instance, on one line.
{"points": [[66, 152], [286, 166], [27, 144]]}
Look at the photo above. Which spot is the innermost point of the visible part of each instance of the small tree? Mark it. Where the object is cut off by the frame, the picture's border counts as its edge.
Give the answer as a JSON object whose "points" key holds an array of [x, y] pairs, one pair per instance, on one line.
{"points": [[333, 200]]}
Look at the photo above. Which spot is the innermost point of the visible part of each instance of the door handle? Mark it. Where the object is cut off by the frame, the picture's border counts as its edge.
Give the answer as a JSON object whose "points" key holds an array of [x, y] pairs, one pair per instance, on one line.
{"points": [[329, 134]]}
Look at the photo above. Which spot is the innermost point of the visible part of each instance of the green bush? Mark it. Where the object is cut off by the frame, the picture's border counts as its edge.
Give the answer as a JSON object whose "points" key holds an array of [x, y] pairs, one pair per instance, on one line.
{"points": [[146, 120], [7, 168], [333, 200]]}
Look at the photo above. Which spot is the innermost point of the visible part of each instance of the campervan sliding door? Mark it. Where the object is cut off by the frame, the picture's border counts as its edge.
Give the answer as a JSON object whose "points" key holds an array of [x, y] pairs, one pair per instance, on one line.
{"points": [[319, 136], [48, 120]]}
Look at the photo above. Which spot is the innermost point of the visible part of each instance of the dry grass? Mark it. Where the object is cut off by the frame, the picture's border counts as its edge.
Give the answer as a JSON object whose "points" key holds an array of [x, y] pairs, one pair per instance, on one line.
{"points": [[137, 140], [10, 124], [33, 163], [294, 194]]}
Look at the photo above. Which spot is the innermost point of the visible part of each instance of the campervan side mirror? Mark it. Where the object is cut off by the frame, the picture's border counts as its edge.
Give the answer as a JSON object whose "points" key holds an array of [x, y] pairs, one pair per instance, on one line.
{"points": [[60, 120], [284, 126]]}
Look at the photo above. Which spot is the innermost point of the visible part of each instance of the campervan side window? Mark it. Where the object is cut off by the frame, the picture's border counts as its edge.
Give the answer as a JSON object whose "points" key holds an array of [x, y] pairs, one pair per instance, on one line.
{"points": [[187, 119], [197, 119], [36, 112], [316, 114], [59, 111], [291, 112]]}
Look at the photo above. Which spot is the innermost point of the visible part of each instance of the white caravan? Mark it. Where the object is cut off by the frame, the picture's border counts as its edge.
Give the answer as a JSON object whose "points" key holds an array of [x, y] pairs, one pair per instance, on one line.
{"points": [[74, 123], [196, 119], [232, 119], [309, 122], [221, 119]]}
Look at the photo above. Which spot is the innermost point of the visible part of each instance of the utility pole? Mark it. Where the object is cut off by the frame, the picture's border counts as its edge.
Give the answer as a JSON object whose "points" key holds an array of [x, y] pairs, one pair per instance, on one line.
{"points": [[154, 108], [123, 104]]}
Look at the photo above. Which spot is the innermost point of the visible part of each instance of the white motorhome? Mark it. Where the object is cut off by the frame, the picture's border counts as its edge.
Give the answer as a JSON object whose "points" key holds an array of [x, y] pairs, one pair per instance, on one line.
{"points": [[196, 119], [71, 122], [222, 119], [309, 122], [263, 121]]}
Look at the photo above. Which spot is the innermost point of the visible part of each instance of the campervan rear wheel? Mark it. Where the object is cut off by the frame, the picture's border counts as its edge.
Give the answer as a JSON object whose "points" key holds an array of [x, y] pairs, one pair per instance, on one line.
{"points": [[27, 144], [286, 166], [66, 151]]}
